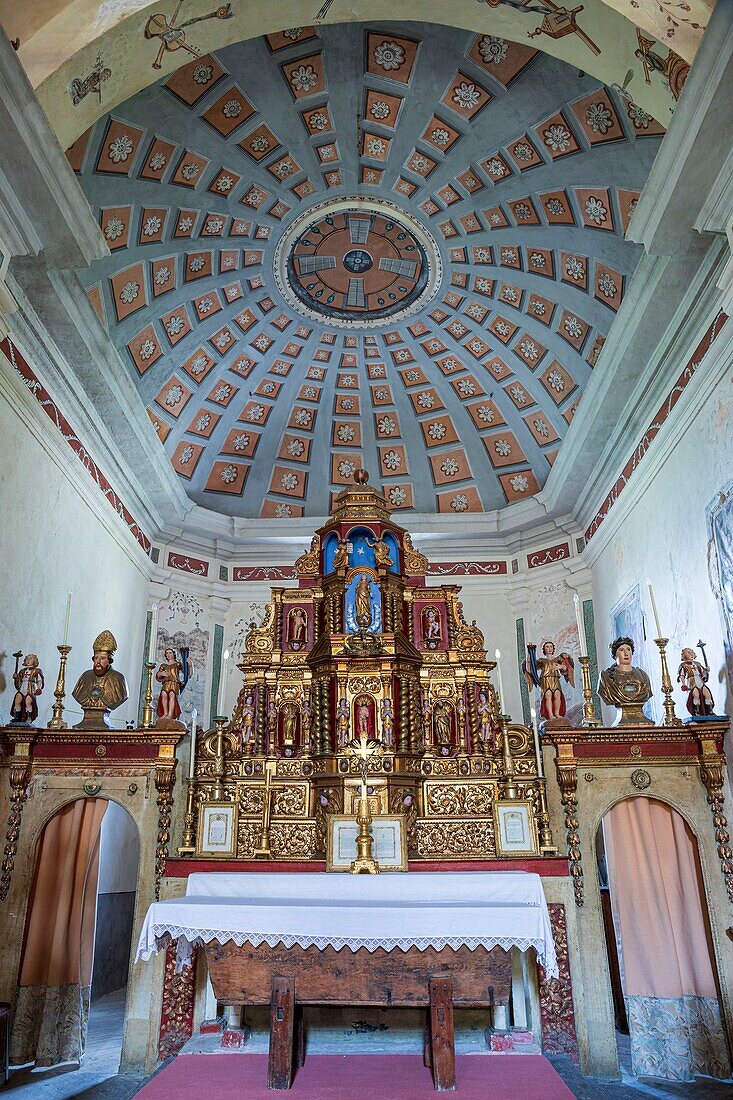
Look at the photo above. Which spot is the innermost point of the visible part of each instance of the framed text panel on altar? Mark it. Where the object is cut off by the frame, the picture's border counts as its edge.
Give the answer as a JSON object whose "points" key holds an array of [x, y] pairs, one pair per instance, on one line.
{"points": [[389, 842], [217, 832], [515, 829]]}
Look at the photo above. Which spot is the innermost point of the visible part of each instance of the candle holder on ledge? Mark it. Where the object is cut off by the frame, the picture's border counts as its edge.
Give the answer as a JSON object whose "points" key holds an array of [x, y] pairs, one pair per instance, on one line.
{"points": [[147, 721], [219, 758], [57, 721], [670, 716], [364, 864], [509, 786], [590, 717], [188, 847]]}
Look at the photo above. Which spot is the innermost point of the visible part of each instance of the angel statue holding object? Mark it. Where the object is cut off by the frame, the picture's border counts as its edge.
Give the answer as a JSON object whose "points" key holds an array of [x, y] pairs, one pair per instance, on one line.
{"points": [[544, 673], [692, 676], [28, 680], [172, 675]]}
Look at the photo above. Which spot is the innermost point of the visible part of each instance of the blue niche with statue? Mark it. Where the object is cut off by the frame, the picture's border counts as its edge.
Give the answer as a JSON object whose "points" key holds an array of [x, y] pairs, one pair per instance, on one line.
{"points": [[360, 548], [362, 604]]}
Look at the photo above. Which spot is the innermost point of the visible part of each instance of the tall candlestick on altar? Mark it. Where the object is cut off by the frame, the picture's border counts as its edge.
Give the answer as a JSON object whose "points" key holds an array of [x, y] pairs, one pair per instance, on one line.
{"points": [[581, 625], [497, 654], [537, 749], [192, 764], [153, 639], [222, 682], [363, 744], [68, 618], [653, 602]]}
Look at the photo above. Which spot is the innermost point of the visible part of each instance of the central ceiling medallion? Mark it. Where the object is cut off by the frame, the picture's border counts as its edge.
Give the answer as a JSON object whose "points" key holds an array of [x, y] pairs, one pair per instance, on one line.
{"points": [[357, 263]]}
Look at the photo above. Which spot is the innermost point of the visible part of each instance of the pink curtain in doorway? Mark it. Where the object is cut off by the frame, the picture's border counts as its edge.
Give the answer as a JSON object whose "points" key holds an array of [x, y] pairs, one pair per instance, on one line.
{"points": [[52, 1007], [665, 952]]}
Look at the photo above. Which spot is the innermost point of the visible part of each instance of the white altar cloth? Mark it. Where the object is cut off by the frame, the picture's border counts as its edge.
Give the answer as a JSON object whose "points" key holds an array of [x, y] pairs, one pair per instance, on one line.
{"points": [[391, 910]]}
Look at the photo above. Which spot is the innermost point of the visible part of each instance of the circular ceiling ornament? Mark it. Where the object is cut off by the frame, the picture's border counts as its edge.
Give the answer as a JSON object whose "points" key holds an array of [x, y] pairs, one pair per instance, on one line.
{"points": [[358, 263]]}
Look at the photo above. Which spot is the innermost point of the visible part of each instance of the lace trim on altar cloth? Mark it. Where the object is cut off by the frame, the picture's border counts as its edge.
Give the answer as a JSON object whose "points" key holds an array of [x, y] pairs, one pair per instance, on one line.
{"points": [[190, 938]]}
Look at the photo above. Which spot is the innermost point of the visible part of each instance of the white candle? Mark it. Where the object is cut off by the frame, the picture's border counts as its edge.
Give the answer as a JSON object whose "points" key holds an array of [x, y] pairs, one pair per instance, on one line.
{"points": [[68, 617], [537, 750], [653, 602], [192, 765], [222, 684], [581, 625], [153, 639], [498, 677]]}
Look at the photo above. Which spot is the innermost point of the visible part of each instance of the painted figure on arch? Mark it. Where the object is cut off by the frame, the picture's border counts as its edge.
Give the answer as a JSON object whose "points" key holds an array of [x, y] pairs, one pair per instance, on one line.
{"points": [[29, 682], [546, 673], [692, 676], [172, 675]]}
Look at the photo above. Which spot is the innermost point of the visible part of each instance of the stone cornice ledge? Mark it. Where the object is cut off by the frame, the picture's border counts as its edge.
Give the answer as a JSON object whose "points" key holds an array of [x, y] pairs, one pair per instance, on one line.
{"points": [[684, 171], [93, 386], [35, 167]]}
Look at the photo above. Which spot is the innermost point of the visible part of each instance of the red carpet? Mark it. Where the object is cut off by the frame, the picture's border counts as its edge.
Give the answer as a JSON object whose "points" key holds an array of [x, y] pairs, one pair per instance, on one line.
{"points": [[356, 1077]]}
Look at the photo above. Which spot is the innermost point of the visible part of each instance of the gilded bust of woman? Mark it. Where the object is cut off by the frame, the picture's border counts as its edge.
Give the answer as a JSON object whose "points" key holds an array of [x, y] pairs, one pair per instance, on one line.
{"points": [[625, 686]]}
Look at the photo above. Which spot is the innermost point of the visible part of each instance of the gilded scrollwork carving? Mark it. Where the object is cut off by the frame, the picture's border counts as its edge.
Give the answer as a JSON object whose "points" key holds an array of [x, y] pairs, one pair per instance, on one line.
{"points": [[307, 564], [251, 799], [712, 774], [289, 801], [165, 777], [293, 839], [459, 799], [248, 835], [567, 776], [438, 839], [19, 779]]}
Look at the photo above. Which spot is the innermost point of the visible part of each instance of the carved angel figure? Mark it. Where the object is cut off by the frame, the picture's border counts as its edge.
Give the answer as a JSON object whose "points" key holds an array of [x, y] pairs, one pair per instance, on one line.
{"points": [[545, 673]]}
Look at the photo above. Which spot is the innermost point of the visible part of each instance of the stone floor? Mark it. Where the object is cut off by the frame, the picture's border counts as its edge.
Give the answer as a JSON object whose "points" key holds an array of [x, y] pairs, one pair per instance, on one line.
{"points": [[98, 1079]]}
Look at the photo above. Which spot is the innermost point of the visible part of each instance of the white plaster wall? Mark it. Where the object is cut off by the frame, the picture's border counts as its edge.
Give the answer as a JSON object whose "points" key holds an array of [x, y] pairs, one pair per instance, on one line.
{"points": [[118, 851], [52, 541], [664, 538]]}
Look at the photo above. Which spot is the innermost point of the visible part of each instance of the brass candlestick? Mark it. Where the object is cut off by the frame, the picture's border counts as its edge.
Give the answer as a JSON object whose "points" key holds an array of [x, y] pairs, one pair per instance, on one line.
{"points": [[57, 721], [148, 704], [189, 833], [263, 849], [670, 717], [510, 790], [364, 864], [589, 714], [220, 762], [547, 843]]}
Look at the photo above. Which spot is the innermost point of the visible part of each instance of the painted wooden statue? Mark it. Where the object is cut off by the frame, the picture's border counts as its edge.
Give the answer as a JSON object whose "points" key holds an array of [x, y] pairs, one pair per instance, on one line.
{"points": [[546, 673], [172, 675], [28, 680], [692, 676]]}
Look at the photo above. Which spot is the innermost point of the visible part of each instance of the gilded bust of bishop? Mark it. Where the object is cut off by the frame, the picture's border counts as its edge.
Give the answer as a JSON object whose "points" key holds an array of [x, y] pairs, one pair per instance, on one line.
{"points": [[100, 689], [625, 686]]}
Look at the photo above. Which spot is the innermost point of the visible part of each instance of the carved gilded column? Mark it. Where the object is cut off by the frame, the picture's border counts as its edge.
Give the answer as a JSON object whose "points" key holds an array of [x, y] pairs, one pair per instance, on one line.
{"points": [[326, 716], [712, 771], [404, 740], [165, 778], [414, 709], [317, 718], [567, 778], [20, 773], [476, 746]]}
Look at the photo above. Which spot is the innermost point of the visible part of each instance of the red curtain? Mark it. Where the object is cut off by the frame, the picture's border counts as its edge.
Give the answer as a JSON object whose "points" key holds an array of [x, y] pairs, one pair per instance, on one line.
{"points": [[52, 1008]]}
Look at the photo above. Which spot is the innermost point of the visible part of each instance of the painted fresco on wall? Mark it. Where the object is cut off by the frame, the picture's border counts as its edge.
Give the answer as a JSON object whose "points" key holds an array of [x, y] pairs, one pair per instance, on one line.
{"points": [[252, 616], [720, 565], [551, 618], [184, 622], [627, 621]]}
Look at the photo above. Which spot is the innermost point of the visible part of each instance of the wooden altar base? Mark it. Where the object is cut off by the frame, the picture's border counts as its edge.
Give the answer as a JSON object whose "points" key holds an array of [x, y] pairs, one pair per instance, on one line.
{"points": [[286, 979]]}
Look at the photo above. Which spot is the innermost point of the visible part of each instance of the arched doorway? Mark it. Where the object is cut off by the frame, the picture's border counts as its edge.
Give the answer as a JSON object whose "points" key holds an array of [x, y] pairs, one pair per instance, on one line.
{"points": [[659, 943], [76, 944]]}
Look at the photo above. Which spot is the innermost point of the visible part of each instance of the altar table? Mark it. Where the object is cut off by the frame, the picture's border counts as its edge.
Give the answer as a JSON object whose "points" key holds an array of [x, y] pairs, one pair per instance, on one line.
{"points": [[428, 940]]}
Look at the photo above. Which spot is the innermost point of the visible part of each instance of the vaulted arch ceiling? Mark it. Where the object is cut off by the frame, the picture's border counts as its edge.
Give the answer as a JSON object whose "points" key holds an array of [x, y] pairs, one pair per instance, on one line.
{"points": [[117, 47], [282, 333]]}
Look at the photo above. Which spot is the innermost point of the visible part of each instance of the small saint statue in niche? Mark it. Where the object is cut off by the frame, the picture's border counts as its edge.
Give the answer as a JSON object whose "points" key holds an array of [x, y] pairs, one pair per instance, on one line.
{"points": [[442, 712], [172, 675], [248, 722], [29, 682], [101, 688], [290, 725], [545, 673], [625, 686], [382, 555], [387, 724], [692, 676], [363, 602], [363, 715], [342, 724], [297, 627], [341, 555], [484, 715], [432, 633]]}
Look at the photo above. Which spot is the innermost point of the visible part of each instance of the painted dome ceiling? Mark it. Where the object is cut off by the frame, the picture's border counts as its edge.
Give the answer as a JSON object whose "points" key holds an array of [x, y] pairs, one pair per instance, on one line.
{"points": [[397, 246]]}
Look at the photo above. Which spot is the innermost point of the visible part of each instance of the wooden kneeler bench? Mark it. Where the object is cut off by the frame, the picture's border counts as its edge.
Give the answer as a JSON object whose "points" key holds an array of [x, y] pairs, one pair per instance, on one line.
{"points": [[287, 979]]}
